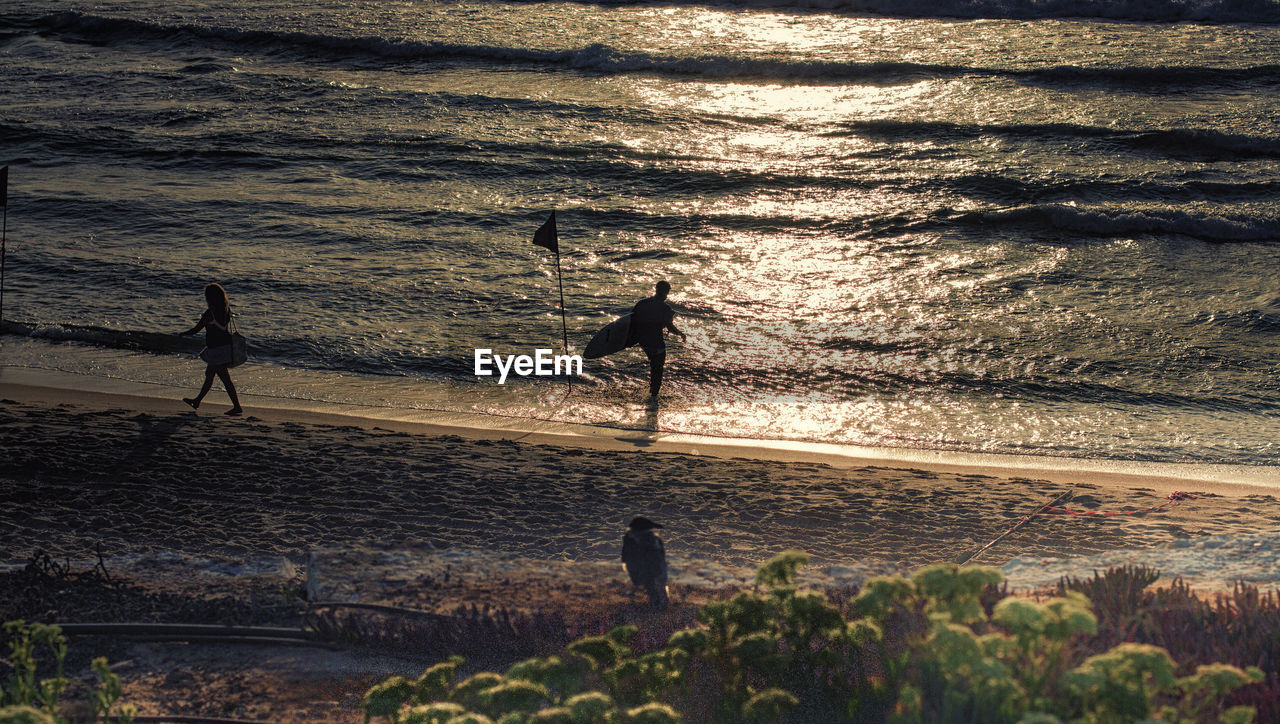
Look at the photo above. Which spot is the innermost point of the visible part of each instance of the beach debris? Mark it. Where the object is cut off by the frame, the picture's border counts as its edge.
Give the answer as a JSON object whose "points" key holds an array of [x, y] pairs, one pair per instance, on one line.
{"points": [[1170, 502], [194, 632], [1054, 507], [1063, 497], [46, 589]]}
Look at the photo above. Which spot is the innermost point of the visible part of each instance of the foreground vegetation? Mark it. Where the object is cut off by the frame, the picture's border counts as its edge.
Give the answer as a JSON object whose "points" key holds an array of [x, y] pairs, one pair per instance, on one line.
{"points": [[927, 648], [947, 644], [28, 700]]}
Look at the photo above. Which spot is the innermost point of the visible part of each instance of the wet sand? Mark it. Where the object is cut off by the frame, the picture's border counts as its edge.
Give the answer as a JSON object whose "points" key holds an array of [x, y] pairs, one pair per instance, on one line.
{"points": [[81, 470]]}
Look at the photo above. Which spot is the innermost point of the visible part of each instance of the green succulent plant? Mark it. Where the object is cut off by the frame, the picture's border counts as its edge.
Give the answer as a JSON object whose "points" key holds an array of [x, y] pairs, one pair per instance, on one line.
{"points": [[918, 649]]}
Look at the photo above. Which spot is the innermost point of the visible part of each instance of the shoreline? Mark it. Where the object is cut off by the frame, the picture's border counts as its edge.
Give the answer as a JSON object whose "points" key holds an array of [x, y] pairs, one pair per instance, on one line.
{"points": [[238, 516], [39, 386], [143, 474]]}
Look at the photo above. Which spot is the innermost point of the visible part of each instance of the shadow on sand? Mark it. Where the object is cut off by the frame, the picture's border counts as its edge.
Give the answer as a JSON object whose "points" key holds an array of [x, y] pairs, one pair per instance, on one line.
{"points": [[154, 432], [648, 433]]}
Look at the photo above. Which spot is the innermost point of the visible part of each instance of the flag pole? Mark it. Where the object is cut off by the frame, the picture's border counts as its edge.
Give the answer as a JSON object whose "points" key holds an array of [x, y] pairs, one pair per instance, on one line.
{"points": [[564, 326], [547, 237]]}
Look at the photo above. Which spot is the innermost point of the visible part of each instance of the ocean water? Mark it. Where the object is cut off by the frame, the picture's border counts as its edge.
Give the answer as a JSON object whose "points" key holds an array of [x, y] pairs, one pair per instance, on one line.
{"points": [[1043, 228]]}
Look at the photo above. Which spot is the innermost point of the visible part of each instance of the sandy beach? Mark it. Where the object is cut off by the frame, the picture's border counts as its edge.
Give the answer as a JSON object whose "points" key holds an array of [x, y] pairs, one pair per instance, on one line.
{"points": [[142, 474], [144, 479]]}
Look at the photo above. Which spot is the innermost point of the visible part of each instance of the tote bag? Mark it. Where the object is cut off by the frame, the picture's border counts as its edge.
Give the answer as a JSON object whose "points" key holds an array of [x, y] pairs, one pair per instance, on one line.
{"points": [[231, 355]]}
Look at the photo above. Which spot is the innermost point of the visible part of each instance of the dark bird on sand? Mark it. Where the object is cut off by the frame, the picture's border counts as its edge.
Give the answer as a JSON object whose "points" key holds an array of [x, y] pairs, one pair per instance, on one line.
{"points": [[645, 559]]}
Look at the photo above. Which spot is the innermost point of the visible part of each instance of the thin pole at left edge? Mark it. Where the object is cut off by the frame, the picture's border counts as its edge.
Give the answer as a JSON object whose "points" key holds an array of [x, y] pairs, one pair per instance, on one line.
{"points": [[4, 233], [4, 256]]}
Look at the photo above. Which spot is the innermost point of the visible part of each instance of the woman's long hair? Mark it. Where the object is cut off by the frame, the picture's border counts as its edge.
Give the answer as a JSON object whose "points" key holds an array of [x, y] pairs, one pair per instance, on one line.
{"points": [[216, 297]]}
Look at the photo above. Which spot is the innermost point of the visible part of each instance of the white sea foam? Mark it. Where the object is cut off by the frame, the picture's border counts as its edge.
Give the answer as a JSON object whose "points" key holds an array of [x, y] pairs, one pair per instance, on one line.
{"points": [[605, 58]]}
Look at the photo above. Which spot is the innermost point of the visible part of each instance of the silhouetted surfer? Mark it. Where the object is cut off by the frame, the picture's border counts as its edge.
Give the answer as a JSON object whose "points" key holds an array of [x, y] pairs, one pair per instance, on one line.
{"points": [[648, 320]]}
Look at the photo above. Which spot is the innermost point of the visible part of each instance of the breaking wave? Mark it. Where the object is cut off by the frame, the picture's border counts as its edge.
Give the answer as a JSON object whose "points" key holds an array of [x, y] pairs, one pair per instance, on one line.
{"points": [[1120, 222], [600, 58], [1155, 11], [1189, 142]]}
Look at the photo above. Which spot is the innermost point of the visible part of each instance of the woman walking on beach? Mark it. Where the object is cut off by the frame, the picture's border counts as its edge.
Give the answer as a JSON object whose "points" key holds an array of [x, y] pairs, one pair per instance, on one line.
{"points": [[217, 339]]}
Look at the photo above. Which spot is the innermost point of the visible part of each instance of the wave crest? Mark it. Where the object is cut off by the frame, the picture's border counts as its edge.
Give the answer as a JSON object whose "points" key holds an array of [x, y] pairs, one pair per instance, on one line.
{"points": [[1156, 11], [605, 59], [1114, 223]]}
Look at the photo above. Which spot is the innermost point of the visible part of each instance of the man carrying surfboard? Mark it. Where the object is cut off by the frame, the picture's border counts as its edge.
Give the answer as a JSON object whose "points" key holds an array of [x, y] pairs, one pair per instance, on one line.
{"points": [[649, 317]]}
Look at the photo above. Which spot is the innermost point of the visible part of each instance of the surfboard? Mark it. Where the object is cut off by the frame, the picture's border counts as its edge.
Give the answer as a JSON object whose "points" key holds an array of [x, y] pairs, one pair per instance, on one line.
{"points": [[610, 339]]}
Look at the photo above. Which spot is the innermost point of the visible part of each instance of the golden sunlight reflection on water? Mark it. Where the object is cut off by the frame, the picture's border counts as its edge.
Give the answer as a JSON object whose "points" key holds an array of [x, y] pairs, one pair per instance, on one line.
{"points": [[821, 103], [880, 230], [764, 32]]}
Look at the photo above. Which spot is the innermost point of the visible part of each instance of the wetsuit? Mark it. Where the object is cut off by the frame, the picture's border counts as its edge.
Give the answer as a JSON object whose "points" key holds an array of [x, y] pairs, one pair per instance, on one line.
{"points": [[648, 318]]}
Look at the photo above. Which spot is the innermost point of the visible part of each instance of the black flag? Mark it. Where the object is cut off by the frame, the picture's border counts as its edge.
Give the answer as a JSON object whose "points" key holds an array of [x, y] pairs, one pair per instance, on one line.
{"points": [[4, 187], [546, 237]]}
